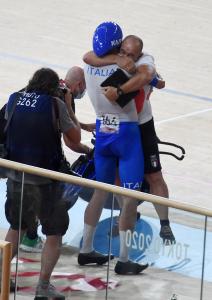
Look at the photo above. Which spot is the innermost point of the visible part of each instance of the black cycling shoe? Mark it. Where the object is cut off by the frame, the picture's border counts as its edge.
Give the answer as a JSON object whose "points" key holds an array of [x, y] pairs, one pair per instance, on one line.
{"points": [[93, 257], [129, 268], [167, 235]]}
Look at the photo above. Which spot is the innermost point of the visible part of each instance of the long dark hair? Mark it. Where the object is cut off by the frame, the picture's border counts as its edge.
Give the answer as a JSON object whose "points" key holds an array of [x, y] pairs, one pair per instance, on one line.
{"points": [[44, 80]]}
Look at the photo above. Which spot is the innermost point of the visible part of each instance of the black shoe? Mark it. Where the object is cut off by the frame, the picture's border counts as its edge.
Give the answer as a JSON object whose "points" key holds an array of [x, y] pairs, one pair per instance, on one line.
{"points": [[167, 235], [93, 257], [129, 268]]}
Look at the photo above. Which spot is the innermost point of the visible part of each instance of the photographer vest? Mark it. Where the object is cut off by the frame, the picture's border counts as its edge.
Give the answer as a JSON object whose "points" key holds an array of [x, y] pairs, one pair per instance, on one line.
{"points": [[32, 137]]}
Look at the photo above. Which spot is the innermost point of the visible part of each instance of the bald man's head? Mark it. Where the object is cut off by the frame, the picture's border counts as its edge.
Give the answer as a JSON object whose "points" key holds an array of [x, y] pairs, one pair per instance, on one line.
{"points": [[75, 80], [132, 46]]}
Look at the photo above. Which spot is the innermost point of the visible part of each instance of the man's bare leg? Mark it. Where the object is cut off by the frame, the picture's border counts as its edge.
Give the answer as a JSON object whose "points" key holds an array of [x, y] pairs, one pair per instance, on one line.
{"points": [[92, 215], [94, 208], [159, 187], [91, 218], [49, 258], [12, 237], [126, 223], [50, 255]]}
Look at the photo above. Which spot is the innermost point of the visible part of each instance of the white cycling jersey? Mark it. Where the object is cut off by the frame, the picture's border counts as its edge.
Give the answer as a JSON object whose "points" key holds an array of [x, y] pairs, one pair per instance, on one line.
{"points": [[94, 76], [144, 107]]}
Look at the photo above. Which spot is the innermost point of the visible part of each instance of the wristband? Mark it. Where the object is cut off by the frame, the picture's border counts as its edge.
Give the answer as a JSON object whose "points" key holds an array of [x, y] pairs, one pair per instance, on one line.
{"points": [[154, 81]]}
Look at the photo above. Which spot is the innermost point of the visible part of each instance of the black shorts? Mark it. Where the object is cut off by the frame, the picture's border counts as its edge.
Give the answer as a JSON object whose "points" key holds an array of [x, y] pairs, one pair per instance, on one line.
{"points": [[43, 202], [150, 147]]}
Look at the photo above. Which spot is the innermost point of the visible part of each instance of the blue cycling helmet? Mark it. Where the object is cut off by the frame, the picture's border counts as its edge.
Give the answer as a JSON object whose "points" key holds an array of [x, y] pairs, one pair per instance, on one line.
{"points": [[107, 36]]}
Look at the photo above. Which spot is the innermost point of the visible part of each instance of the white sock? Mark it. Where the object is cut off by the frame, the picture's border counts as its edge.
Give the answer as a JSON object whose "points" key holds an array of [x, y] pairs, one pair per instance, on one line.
{"points": [[88, 236], [124, 249]]}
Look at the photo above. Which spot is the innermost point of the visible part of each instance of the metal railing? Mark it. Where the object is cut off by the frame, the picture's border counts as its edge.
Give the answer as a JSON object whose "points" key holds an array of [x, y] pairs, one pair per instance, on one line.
{"points": [[106, 187]]}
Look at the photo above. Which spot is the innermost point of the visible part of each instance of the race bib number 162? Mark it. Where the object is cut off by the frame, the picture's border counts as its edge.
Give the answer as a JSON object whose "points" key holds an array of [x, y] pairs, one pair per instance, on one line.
{"points": [[109, 123]]}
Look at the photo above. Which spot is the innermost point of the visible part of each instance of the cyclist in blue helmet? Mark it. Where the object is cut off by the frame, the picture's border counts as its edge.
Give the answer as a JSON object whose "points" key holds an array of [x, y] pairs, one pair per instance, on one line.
{"points": [[132, 49], [107, 36], [117, 139]]}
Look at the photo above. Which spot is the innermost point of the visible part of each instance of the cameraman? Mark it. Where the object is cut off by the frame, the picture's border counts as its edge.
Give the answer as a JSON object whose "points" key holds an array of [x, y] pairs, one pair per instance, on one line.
{"points": [[34, 138], [73, 87]]}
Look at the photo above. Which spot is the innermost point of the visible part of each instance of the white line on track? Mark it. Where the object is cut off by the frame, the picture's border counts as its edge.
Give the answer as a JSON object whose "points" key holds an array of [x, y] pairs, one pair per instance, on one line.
{"points": [[184, 116]]}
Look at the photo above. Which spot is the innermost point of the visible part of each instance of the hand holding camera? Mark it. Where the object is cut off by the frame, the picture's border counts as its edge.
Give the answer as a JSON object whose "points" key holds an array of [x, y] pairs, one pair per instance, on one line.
{"points": [[63, 86]]}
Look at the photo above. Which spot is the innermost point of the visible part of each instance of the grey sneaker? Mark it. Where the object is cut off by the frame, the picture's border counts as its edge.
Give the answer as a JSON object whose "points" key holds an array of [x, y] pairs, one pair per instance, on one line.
{"points": [[44, 292]]}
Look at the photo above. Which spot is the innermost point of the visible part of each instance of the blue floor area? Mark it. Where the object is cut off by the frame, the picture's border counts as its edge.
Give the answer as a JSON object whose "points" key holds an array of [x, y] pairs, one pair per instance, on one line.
{"points": [[184, 257]]}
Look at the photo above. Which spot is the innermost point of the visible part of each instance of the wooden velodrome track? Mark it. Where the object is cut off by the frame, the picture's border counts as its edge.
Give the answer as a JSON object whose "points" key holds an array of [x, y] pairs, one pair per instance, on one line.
{"points": [[179, 35]]}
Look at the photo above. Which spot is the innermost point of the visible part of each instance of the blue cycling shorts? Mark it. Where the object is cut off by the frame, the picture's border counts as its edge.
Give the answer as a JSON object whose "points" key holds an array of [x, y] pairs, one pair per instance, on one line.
{"points": [[123, 150]]}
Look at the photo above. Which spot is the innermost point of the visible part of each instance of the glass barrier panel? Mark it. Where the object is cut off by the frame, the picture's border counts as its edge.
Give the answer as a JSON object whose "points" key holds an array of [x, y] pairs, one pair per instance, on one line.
{"points": [[4, 225], [207, 271], [1, 255], [179, 258], [60, 209], [174, 254], [11, 209]]}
